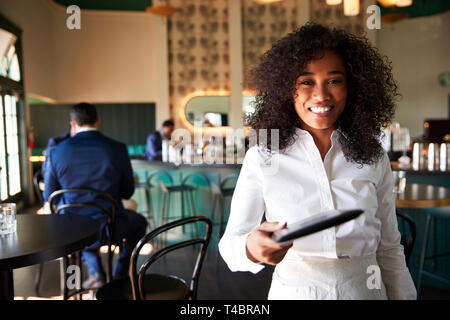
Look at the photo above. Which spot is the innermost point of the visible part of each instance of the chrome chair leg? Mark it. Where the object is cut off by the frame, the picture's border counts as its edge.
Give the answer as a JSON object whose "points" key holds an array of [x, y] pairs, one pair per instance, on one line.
{"points": [[191, 197]]}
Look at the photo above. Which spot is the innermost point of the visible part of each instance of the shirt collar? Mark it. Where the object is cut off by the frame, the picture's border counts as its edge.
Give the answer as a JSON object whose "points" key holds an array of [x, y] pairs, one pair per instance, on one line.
{"points": [[84, 129], [334, 134]]}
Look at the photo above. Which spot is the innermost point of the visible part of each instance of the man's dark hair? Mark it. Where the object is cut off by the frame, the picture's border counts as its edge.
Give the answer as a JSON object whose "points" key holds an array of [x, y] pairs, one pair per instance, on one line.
{"points": [[168, 123], [83, 114]]}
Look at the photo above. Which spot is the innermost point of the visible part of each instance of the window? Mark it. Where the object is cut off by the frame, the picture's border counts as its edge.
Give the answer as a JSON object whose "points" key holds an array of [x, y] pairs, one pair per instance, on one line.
{"points": [[9, 62], [11, 107]]}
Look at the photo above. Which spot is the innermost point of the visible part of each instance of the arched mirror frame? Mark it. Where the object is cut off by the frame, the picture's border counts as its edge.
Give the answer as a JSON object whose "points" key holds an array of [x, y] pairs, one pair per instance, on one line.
{"points": [[207, 93]]}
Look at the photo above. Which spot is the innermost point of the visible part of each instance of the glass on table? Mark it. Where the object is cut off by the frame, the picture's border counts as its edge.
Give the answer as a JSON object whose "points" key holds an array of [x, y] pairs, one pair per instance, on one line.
{"points": [[399, 181], [8, 222]]}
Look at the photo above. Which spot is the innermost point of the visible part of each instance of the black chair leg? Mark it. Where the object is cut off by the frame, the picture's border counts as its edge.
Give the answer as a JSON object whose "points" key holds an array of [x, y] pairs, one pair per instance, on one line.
{"points": [[37, 279]]}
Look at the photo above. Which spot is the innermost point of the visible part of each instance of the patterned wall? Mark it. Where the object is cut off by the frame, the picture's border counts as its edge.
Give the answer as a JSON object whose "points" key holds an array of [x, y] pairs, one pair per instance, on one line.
{"points": [[334, 15], [262, 26], [199, 40], [198, 50]]}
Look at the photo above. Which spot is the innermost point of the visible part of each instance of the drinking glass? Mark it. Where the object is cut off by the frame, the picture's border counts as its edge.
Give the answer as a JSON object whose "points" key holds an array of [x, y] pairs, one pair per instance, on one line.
{"points": [[8, 223], [399, 181]]}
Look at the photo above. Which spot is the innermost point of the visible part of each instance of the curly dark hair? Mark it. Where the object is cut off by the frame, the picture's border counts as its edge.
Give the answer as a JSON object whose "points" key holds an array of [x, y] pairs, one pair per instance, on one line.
{"points": [[371, 96]]}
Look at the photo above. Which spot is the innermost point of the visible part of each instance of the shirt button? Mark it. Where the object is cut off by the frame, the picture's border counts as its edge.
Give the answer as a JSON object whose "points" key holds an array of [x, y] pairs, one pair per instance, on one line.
{"points": [[330, 238]]}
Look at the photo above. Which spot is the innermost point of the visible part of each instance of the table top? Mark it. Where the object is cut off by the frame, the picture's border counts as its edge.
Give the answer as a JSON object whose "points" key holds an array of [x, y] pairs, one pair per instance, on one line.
{"points": [[423, 196], [42, 238]]}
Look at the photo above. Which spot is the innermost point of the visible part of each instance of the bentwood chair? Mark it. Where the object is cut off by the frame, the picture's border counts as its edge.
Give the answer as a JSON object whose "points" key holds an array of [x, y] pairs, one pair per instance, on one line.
{"points": [[38, 181], [407, 242], [108, 210], [143, 286]]}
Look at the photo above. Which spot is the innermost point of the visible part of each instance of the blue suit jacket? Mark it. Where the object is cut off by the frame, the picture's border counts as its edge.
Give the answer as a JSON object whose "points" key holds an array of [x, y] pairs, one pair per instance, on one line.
{"points": [[52, 142], [154, 146], [90, 160]]}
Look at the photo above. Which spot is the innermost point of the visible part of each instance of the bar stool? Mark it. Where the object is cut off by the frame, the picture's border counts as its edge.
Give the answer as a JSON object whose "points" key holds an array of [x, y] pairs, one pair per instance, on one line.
{"points": [[431, 215], [146, 186], [220, 192], [186, 192], [186, 198]]}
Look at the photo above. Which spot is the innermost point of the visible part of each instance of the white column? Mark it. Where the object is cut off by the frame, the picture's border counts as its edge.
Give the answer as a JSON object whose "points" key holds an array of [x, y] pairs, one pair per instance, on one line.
{"points": [[303, 12], [162, 111], [236, 64]]}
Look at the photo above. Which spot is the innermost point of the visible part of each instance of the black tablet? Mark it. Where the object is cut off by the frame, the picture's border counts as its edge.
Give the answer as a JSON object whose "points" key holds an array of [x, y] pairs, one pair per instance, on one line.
{"points": [[315, 223]]}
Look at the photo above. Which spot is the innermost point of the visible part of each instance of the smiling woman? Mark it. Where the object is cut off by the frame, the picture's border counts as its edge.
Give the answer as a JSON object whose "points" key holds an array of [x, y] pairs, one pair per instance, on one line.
{"points": [[327, 93], [283, 78]]}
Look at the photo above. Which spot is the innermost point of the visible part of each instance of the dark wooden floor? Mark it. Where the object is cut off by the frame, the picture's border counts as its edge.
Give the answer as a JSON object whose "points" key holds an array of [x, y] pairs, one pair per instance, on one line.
{"points": [[216, 280]]}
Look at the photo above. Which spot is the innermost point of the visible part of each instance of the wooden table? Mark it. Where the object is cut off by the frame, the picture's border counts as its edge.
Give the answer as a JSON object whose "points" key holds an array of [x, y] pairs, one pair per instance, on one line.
{"points": [[421, 196], [42, 238]]}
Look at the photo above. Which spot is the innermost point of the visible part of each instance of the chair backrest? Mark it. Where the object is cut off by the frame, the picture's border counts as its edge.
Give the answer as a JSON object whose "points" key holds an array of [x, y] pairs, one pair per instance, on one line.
{"points": [[137, 277], [408, 243], [37, 179], [110, 213], [162, 174], [225, 180]]}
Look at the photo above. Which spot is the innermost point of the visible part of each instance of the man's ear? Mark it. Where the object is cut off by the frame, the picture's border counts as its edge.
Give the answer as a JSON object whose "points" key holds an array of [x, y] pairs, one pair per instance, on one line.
{"points": [[73, 127], [97, 123]]}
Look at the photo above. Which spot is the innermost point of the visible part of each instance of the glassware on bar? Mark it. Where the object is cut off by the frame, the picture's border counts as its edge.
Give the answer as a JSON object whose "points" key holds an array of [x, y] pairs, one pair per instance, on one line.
{"points": [[399, 181]]}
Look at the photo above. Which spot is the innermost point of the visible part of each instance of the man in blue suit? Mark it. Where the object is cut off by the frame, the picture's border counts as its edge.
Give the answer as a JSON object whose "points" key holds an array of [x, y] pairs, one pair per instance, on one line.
{"points": [[52, 142], [154, 141], [90, 160]]}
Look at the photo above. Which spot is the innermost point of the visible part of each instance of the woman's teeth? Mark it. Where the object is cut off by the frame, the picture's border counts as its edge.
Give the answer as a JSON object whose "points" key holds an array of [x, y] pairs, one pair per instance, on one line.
{"points": [[320, 109]]}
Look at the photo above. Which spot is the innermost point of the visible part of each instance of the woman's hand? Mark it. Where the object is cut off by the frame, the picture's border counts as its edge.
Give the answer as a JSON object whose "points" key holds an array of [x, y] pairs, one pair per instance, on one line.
{"points": [[261, 247]]}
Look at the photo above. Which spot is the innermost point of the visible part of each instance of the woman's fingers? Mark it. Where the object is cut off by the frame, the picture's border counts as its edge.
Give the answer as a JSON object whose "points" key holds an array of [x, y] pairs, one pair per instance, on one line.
{"points": [[261, 247], [272, 226]]}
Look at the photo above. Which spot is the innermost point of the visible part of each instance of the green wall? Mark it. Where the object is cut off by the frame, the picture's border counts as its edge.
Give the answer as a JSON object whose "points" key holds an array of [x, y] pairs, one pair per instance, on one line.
{"points": [[129, 123]]}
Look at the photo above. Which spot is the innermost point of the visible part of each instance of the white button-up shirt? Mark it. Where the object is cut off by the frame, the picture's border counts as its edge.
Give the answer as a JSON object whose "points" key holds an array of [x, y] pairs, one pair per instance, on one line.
{"points": [[295, 184]]}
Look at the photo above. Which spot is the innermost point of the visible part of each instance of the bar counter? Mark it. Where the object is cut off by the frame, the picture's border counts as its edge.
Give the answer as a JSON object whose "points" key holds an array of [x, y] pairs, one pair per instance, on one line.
{"points": [[202, 176]]}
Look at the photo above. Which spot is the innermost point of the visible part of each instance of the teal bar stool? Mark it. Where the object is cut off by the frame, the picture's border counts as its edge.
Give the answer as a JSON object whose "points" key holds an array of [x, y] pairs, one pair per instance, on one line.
{"points": [[145, 187], [220, 193], [431, 215], [169, 188]]}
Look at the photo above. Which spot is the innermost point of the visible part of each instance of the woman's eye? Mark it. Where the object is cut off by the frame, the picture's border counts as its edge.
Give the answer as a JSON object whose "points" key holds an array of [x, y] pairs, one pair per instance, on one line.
{"points": [[306, 82], [335, 81]]}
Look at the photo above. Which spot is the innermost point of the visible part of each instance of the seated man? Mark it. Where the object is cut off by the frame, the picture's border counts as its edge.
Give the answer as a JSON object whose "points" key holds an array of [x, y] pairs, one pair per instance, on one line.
{"points": [[154, 141], [91, 160]]}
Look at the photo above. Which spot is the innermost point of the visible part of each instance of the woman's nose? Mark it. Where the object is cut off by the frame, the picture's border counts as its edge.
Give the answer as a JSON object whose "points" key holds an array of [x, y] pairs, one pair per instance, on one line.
{"points": [[321, 93]]}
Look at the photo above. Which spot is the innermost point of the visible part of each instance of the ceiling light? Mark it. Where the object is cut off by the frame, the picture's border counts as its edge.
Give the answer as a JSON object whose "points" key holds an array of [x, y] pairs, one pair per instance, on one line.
{"points": [[266, 1], [351, 7], [334, 2], [403, 3], [163, 9], [387, 3]]}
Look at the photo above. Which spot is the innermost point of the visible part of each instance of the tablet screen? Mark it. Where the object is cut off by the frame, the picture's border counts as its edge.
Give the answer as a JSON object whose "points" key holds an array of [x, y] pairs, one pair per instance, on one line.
{"points": [[315, 223]]}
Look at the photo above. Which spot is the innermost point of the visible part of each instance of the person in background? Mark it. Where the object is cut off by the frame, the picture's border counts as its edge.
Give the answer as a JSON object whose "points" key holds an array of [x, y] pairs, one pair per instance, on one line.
{"points": [[91, 160], [154, 141]]}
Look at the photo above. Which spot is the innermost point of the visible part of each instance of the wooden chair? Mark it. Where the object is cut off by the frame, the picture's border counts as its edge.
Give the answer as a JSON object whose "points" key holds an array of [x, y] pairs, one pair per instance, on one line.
{"points": [[407, 243], [142, 286], [109, 212]]}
